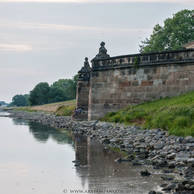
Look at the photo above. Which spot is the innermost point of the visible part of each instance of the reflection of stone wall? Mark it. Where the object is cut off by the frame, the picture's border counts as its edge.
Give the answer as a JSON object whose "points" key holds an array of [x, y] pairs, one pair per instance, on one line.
{"points": [[102, 173], [81, 150], [116, 82]]}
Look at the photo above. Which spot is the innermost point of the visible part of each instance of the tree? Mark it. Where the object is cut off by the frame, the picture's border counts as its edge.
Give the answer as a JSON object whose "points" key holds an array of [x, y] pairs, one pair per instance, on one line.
{"points": [[67, 86], [40, 94], [176, 32], [20, 100], [56, 94]]}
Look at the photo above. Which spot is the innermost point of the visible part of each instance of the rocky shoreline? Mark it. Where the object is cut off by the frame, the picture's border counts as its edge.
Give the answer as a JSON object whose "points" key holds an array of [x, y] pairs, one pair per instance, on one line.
{"points": [[171, 155]]}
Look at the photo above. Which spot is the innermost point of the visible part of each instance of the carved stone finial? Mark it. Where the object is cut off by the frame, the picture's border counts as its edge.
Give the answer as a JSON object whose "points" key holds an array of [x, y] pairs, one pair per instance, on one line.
{"points": [[102, 52], [86, 59], [86, 64], [84, 73], [102, 43]]}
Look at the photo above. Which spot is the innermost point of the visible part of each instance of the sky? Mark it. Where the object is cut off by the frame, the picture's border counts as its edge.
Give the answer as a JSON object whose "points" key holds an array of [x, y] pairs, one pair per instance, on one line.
{"points": [[47, 40]]}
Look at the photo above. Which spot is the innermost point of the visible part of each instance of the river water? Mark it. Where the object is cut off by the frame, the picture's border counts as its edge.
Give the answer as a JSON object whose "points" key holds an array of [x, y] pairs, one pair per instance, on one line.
{"points": [[35, 159]]}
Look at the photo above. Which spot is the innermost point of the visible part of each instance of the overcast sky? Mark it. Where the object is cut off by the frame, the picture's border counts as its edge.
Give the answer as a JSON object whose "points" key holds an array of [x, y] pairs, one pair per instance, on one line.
{"points": [[46, 40]]}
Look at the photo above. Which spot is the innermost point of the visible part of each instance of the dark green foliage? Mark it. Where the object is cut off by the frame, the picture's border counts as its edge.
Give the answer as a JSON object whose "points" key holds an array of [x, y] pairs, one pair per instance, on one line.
{"points": [[67, 86], [176, 32], [20, 100], [61, 90], [56, 95], [40, 94], [175, 115]]}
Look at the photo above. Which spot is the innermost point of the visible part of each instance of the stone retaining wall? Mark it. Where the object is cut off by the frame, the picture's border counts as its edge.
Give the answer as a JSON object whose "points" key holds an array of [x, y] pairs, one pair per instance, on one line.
{"points": [[116, 82]]}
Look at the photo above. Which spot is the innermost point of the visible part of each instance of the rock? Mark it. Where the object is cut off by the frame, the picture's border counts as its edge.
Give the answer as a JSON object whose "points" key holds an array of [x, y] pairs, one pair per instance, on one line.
{"points": [[106, 141], [167, 178], [164, 185], [189, 139], [136, 163], [167, 171], [171, 156], [189, 172], [145, 173], [160, 163], [171, 164], [152, 192], [190, 161], [169, 187], [118, 160], [185, 186], [159, 146]]}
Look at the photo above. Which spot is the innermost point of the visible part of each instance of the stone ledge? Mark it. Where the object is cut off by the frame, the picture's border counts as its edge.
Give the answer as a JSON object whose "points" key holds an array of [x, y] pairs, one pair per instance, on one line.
{"points": [[167, 57], [127, 65]]}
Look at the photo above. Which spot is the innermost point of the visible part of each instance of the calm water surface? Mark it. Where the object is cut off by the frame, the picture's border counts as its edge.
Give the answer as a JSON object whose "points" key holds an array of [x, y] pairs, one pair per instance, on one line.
{"points": [[35, 159]]}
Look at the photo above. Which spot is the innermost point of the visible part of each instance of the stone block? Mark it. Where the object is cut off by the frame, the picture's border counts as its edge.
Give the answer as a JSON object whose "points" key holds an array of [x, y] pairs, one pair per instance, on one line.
{"points": [[147, 83]]}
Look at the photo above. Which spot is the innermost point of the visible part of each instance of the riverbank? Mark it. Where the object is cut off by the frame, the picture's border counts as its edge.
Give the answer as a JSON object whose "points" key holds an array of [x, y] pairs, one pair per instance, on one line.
{"points": [[169, 155], [65, 108], [174, 114]]}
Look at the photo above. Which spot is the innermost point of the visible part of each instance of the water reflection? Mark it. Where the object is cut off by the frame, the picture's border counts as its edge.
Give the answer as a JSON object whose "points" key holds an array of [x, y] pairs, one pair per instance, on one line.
{"points": [[42, 133], [3, 113], [19, 121], [95, 169], [99, 169]]}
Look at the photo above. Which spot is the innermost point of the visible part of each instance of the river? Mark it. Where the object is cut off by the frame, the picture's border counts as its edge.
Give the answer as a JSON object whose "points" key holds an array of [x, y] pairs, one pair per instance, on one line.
{"points": [[36, 159]]}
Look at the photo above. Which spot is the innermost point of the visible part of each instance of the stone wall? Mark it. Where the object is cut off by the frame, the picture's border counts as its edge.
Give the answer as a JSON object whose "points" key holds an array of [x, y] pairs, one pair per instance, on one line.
{"points": [[116, 82], [82, 95]]}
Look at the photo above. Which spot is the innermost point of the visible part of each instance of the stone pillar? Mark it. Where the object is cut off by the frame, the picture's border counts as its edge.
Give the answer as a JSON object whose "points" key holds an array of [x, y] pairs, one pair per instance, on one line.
{"points": [[93, 110], [82, 95]]}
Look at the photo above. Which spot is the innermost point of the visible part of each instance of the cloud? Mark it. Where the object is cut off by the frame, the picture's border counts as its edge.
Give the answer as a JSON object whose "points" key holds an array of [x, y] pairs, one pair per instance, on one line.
{"points": [[19, 72], [62, 27], [102, 1], [15, 47]]}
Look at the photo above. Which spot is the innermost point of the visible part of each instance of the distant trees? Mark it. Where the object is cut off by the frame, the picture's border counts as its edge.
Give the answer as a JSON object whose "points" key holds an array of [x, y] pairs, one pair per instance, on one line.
{"points": [[3, 103], [176, 32], [61, 90], [20, 100], [42, 93]]}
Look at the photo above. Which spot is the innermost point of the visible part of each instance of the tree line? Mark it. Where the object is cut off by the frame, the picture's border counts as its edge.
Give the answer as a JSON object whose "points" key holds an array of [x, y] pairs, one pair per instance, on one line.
{"points": [[43, 93]]}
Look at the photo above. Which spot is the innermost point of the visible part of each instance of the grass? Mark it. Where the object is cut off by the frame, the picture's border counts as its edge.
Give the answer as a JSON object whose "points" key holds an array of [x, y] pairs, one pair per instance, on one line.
{"points": [[176, 115], [65, 108]]}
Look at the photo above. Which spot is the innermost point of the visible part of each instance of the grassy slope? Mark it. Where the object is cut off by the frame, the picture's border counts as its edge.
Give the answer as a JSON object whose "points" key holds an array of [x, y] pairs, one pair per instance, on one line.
{"points": [[173, 114], [65, 108]]}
